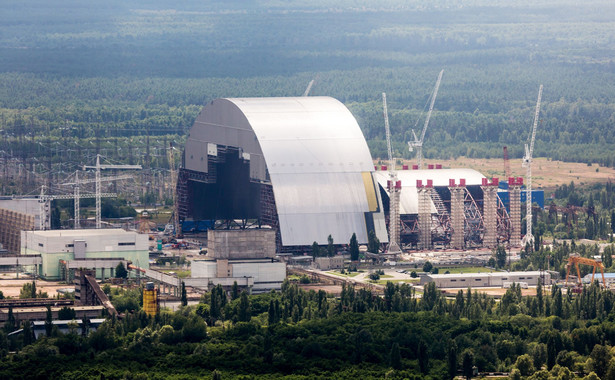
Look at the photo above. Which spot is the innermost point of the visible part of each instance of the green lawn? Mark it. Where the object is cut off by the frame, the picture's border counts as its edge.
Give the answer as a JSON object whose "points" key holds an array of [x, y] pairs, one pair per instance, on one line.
{"points": [[345, 274]]}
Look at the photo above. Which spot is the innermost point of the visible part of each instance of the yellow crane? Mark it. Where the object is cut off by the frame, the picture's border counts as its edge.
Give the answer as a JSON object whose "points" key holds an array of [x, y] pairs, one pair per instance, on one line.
{"points": [[576, 260]]}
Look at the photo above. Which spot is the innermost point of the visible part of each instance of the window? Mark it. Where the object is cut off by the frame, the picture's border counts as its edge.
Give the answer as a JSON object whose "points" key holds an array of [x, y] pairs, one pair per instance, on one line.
{"points": [[69, 245], [40, 244], [504, 278], [126, 243], [521, 278], [453, 280], [463, 280], [477, 279]]}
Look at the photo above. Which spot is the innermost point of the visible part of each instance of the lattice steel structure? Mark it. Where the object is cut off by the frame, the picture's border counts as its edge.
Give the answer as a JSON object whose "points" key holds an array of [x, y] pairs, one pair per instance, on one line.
{"points": [[490, 212], [457, 215], [514, 189], [424, 215]]}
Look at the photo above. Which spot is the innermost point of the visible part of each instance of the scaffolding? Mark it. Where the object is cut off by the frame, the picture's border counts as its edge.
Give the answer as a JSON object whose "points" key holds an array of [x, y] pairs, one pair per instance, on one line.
{"points": [[490, 212], [424, 193], [457, 214], [514, 190]]}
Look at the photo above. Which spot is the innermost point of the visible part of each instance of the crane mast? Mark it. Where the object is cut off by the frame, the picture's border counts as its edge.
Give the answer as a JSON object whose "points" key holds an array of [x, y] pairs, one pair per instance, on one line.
{"points": [[527, 163], [418, 143], [394, 186], [171, 157], [98, 181]]}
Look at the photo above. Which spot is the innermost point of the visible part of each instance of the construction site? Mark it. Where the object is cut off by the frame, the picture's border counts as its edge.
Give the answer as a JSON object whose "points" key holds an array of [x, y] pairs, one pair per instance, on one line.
{"points": [[261, 182]]}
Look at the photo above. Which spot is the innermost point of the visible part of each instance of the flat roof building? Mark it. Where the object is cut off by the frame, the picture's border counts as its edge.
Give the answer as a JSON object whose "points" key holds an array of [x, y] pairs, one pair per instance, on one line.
{"points": [[100, 249], [488, 280]]}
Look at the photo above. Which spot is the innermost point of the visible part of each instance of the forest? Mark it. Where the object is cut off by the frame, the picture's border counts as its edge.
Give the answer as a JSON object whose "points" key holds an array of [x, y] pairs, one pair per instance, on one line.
{"points": [[297, 334], [78, 79]]}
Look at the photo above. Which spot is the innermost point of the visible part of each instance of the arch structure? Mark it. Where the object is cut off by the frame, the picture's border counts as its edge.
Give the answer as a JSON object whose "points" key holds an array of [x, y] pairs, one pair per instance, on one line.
{"points": [[300, 165]]}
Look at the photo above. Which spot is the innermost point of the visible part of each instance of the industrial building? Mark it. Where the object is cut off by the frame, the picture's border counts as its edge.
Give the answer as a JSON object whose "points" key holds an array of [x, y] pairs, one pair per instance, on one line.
{"points": [[489, 280], [63, 251], [242, 256], [17, 215], [300, 165]]}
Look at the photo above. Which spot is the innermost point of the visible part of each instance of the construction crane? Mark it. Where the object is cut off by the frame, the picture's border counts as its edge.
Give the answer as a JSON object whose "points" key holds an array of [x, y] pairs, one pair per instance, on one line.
{"points": [[575, 260], [309, 87], [394, 186], [77, 196], [45, 205], [171, 157], [98, 167], [527, 163], [418, 143]]}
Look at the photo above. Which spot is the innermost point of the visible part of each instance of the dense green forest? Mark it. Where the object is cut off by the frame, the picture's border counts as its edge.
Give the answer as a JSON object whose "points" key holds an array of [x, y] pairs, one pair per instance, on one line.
{"points": [[296, 334], [78, 79]]}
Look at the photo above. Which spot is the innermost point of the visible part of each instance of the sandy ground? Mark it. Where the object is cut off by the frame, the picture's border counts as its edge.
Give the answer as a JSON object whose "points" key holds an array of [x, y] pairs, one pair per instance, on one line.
{"points": [[545, 173], [10, 285]]}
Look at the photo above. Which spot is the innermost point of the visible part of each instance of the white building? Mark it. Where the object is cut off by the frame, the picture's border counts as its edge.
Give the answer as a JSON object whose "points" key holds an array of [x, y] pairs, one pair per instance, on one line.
{"points": [[260, 275], [100, 249], [487, 280]]}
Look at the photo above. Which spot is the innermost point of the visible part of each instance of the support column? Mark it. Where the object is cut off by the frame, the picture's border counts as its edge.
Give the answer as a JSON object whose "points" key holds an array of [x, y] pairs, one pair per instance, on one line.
{"points": [[514, 191], [490, 212], [394, 221], [457, 214], [424, 222]]}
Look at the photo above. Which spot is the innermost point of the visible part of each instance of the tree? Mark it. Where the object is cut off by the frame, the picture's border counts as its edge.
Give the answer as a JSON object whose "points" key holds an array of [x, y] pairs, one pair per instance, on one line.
{"points": [[427, 267], [601, 356], [66, 314], [354, 248], [234, 291], [452, 358], [525, 365], [500, 256], [467, 363], [315, 250], [184, 297], [48, 321], [330, 247], [244, 313], [395, 356], [423, 354], [120, 271], [373, 243]]}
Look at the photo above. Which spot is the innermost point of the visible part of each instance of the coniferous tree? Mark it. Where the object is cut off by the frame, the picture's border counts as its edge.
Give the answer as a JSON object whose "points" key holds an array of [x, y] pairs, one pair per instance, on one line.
{"points": [[330, 247], [354, 248], [184, 296], [395, 356], [452, 359], [244, 313]]}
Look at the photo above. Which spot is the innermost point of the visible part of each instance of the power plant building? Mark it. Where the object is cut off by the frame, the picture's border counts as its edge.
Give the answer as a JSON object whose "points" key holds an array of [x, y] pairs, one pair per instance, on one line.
{"points": [[63, 251], [300, 165]]}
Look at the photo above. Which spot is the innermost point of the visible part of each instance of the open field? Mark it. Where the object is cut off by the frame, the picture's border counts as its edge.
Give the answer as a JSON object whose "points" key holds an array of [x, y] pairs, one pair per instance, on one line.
{"points": [[545, 173]]}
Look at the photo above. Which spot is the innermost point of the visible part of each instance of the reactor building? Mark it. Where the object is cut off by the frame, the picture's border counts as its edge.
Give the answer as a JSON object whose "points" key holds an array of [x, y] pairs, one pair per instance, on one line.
{"points": [[300, 165]]}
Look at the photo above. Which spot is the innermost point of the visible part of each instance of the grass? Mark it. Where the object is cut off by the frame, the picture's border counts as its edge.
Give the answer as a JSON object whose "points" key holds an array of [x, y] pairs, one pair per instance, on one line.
{"points": [[179, 273], [345, 274]]}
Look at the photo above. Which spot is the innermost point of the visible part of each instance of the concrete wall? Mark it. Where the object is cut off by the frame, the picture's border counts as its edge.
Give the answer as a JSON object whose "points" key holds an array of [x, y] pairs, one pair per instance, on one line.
{"points": [[202, 269], [262, 275], [241, 244]]}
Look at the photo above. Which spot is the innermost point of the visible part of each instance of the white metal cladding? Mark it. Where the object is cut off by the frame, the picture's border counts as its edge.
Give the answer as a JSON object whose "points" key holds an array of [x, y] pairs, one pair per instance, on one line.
{"points": [[409, 199], [314, 152]]}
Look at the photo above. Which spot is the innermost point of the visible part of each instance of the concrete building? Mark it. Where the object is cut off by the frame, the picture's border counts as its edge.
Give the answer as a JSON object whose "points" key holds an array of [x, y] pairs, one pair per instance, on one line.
{"points": [[245, 256], [489, 280], [327, 263], [62, 251]]}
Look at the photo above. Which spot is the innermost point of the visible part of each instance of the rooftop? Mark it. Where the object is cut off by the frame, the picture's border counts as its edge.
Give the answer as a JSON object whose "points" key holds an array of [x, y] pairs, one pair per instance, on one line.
{"points": [[83, 233]]}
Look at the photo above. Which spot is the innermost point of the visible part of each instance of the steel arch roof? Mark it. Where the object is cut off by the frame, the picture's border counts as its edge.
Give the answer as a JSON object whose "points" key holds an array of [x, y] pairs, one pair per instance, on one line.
{"points": [[312, 151]]}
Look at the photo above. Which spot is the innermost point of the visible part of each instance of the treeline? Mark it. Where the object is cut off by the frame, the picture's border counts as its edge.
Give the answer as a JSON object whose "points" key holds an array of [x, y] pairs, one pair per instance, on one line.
{"points": [[296, 334]]}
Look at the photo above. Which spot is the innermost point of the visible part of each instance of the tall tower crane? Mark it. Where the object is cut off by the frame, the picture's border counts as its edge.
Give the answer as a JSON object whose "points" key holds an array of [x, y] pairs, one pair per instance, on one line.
{"points": [[171, 157], [418, 143], [76, 186], [98, 168], [394, 186], [527, 163]]}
